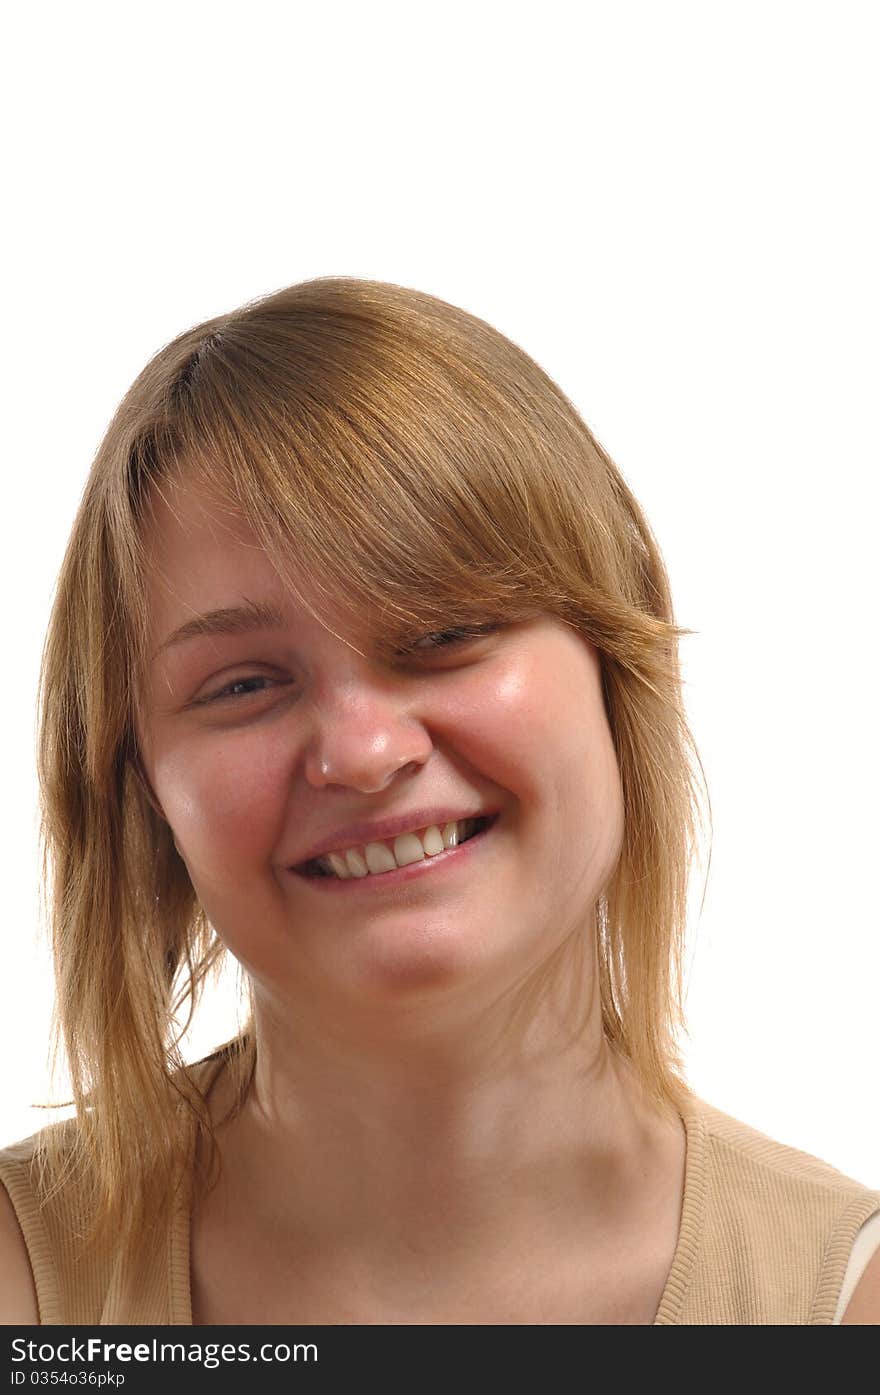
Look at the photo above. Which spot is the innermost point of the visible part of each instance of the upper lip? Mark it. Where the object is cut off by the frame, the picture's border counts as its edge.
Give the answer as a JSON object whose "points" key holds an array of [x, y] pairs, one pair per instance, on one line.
{"points": [[354, 835]]}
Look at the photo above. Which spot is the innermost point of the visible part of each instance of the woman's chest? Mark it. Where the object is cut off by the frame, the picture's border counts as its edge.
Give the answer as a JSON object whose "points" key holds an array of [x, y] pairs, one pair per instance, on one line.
{"points": [[238, 1278]]}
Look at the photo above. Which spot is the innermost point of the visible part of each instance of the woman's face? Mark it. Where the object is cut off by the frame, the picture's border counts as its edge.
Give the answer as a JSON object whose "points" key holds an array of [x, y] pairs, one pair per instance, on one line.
{"points": [[261, 743]]}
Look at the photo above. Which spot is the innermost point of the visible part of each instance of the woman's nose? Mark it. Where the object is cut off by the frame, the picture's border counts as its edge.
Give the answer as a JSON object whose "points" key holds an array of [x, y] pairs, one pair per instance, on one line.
{"points": [[361, 738]]}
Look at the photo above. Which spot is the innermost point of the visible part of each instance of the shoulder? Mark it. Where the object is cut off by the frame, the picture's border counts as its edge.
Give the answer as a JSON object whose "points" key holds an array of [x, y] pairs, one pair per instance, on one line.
{"points": [[774, 1226], [18, 1297], [27, 1226], [743, 1154]]}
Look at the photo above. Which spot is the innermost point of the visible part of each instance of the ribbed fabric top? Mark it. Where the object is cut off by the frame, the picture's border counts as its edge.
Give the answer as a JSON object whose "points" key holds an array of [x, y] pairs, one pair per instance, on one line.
{"points": [[766, 1236]]}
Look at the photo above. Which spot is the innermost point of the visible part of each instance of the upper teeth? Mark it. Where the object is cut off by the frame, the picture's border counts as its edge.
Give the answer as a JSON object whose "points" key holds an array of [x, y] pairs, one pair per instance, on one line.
{"points": [[399, 852]]}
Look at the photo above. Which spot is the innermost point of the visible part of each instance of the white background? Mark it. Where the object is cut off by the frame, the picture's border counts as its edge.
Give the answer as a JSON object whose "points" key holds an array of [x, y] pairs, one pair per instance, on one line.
{"points": [[672, 207]]}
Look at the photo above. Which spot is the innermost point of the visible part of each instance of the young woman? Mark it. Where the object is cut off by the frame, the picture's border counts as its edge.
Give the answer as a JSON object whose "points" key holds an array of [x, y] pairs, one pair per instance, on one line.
{"points": [[363, 668]]}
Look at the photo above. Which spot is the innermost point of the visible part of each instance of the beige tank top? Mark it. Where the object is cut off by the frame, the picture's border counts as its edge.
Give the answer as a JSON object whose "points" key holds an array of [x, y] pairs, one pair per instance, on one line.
{"points": [[768, 1235]]}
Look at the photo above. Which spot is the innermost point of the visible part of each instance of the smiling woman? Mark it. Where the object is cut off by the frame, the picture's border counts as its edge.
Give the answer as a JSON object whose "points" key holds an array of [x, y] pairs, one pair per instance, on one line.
{"points": [[363, 669]]}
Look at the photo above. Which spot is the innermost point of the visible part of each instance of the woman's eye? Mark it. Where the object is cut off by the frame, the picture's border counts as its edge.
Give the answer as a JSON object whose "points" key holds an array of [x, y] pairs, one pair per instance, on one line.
{"points": [[442, 639], [256, 684], [240, 688]]}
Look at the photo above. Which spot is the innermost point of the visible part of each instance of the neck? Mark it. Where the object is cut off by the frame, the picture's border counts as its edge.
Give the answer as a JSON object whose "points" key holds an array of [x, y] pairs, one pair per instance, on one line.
{"points": [[447, 1139]]}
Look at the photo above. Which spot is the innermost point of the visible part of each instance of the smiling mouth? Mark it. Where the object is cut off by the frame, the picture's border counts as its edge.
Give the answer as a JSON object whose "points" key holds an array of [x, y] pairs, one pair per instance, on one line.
{"points": [[317, 868]]}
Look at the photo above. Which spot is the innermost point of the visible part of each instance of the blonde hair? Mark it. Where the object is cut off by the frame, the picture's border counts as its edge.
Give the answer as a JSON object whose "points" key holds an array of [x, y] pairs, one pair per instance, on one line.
{"points": [[421, 464]]}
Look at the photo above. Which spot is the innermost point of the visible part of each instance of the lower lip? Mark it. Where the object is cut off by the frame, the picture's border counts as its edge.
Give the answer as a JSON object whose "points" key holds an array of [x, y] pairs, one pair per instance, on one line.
{"points": [[459, 856]]}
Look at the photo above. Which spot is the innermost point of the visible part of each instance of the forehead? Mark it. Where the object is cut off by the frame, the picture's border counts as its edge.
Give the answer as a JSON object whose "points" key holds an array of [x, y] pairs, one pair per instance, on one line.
{"points": [[188, 533], [203, 555]]}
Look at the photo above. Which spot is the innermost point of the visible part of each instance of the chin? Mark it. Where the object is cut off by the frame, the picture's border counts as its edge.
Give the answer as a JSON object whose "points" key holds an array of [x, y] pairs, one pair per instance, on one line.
{"points": [[415, 969], [407, 976]]}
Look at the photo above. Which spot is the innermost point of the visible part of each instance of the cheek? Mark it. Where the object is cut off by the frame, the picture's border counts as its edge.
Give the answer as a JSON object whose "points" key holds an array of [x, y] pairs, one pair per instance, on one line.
{"points": [[225, 804], [502, 727], [541, 733], [539, 730]]}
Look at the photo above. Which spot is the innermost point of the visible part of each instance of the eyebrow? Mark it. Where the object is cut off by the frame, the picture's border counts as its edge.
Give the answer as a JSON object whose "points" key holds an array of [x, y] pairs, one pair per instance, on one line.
{"points": [[228, 620]]}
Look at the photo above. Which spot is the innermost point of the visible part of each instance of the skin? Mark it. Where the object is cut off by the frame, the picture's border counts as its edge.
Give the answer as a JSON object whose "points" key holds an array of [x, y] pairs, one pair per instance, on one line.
{"points": [[863, 1309], [437, 1130]]}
